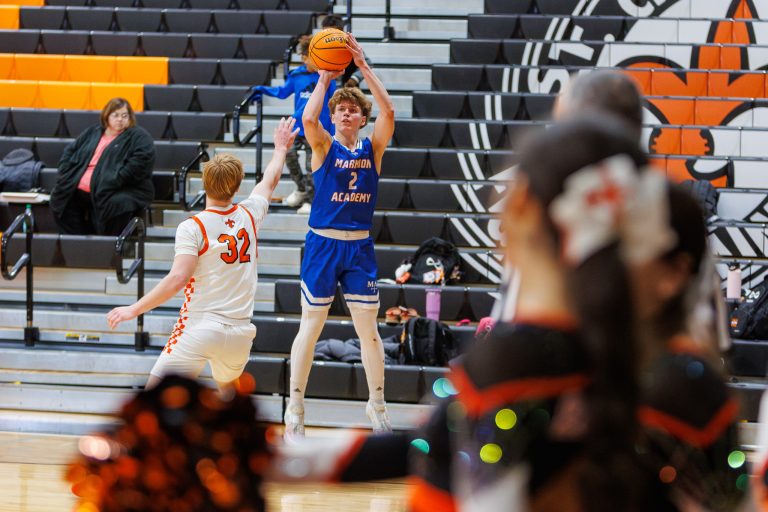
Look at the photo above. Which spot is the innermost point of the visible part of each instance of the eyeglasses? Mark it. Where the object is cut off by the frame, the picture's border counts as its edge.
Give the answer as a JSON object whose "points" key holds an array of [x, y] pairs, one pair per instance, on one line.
{"points": [[117, 115]]}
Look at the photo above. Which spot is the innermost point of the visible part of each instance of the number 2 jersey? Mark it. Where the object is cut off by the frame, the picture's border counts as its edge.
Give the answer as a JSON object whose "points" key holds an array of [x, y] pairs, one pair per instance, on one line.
{"points": [[223, 284], [345, 188]]}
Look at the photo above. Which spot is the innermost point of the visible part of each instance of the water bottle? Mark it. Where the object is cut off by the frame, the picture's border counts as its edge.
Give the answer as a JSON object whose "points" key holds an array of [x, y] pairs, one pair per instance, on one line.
{"points": [[433, 302], [733, 286]]}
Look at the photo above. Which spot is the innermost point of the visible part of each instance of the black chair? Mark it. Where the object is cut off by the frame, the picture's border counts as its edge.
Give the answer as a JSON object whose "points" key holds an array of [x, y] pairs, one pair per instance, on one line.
{"points": [[482, 302], [471, 134], [288, 22], [403, 162], [413, 228], [308, 5], [214, 46], [237, 22], [199, 126], [168, 97], [514, 50], [597, 27], [250, 72], [287, 296], [19, 41], [120, 44], [475, 51], [162, 4], [499, 161], [156, 123], [186, 21], [5, 114], [450, 164], [50, 150], [188, 71], [507, 7], [435, 197], [171, 155], [138, 20], [90, 18], [419, 132], [439, 104], [64, 3], [112, 3], [261, 46], [165, 185], [331, 380], [402, 383], [484, 106], [211, 4], [164, 45], [35, 123], [51, 18], [269, 372], [389, 194], [481, 26], [7, 144], [258, 5], [448, 77], [69, 42], [539, 106], [498, 77], [534, 26], [215, 98], [77, 121]]}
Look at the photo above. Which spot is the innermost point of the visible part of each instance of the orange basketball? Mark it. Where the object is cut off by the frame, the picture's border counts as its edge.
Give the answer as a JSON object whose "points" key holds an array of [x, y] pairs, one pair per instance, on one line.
{"points": [[328, 50]]}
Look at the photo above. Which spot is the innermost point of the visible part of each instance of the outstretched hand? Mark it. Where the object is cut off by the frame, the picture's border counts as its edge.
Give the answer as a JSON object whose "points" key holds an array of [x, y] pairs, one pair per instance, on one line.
{"points": [[358, 56], [121, 314], [285, 133]]}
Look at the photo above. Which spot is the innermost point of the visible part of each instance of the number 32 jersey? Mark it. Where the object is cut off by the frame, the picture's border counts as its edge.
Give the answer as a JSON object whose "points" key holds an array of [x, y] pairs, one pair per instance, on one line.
{"points": [[223, 284], [345, 188]]}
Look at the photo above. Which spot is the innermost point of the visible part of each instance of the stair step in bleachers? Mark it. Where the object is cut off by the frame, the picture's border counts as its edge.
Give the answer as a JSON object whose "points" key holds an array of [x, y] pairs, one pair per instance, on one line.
{"points": [[411, 28], [439, 8]]}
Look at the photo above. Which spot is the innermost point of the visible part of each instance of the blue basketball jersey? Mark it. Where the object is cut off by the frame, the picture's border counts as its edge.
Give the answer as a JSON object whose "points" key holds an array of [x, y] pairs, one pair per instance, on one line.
{"points": [[345, 188]]}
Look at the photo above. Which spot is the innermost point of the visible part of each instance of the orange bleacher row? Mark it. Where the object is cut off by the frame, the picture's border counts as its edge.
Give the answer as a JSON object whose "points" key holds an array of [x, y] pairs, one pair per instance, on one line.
{"points": [[77, 81]]}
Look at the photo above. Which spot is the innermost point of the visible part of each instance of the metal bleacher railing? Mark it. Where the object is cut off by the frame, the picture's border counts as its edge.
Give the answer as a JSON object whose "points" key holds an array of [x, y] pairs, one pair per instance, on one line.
{"points": [[25, 221]]}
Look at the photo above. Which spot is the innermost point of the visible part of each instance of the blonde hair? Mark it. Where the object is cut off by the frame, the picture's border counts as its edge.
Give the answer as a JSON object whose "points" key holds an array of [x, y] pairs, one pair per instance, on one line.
{"points": [[222, 176], [351, 94]]}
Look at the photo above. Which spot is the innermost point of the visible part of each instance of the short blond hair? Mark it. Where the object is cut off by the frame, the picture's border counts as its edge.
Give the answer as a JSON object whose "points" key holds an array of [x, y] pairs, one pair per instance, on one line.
{"points": [[222, 176], [351, 94]]}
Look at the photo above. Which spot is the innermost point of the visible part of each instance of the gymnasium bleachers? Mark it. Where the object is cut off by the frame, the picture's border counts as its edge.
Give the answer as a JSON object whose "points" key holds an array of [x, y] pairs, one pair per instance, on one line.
{"points": [[467, 79]]}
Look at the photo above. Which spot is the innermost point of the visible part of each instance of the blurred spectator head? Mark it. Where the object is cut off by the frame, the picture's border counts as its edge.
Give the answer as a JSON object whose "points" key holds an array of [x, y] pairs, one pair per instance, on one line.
{"points": [[333, 21], [604, 90], [181, 448], [114, 105], [222, 176]]}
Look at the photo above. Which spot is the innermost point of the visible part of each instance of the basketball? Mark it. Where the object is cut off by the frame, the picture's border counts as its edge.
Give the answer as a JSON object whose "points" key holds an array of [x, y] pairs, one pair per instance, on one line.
{"points": [[328, 50]]}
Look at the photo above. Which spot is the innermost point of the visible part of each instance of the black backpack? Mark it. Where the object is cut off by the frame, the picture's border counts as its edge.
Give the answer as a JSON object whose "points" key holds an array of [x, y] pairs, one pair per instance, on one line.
{"points": [[19, 171], [433, 257], [750, 319], [427, 342]]}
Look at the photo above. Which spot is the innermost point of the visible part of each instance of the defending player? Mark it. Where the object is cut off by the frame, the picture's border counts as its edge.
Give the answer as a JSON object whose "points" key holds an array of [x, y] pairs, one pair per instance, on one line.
{"points": [[215, 263], [338, 246]]}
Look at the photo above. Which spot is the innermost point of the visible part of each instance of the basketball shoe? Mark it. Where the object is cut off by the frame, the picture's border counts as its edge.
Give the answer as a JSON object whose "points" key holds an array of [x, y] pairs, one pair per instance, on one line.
{"points": [[377, 413], [294, 423]]}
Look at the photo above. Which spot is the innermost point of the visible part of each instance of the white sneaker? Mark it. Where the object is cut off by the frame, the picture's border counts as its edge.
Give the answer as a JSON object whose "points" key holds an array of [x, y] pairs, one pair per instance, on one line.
{"points": [[377, 413], [294, 423], [295, 198], [305, 209]]}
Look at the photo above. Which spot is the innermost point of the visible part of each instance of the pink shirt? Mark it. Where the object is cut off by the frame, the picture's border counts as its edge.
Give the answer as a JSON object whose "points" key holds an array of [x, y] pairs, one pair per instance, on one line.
{"points": [[85, 181]]}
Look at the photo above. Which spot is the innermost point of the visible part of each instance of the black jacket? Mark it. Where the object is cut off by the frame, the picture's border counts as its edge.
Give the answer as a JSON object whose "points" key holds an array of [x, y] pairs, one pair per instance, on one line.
{"points": [[122, 179]]}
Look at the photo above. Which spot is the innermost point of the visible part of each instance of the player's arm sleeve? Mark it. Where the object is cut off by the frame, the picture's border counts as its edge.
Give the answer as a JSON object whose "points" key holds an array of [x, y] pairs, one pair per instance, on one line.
{"points": [[189, 239], [258, 206]]}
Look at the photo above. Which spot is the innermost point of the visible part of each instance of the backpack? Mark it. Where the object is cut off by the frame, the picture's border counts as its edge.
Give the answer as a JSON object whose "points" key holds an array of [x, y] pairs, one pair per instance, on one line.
{"points": [[427, 342], [434, 262], [19, 171], [750, 319]]}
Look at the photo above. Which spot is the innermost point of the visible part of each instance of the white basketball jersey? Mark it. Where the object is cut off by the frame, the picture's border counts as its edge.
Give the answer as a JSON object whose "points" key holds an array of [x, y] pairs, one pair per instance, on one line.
{"points": [[225, 240]]}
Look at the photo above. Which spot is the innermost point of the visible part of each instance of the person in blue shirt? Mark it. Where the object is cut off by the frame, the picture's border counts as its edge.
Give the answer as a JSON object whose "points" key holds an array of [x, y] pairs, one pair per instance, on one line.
{"points": [[338, 247], [300, 83]]}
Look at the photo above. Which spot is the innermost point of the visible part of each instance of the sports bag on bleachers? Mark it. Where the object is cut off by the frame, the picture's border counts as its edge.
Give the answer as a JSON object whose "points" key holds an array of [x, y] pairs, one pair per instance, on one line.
{"points": [[19, 171], [427, 342], [750, 319], [436, 261]]}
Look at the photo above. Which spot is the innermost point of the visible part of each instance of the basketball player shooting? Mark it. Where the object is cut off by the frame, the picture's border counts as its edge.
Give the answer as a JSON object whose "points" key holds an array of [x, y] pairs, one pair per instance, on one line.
{"points": [[215, 264], [338, 246]]}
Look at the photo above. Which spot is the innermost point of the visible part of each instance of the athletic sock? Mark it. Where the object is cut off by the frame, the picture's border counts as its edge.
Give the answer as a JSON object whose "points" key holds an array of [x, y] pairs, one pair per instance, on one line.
{"points": [[372, 350], [303, 353]]}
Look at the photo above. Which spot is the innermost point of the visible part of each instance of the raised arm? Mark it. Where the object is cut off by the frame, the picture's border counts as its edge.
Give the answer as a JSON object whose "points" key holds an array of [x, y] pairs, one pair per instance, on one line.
{"points": [[316, 135], [385, 119], [283, 139]]}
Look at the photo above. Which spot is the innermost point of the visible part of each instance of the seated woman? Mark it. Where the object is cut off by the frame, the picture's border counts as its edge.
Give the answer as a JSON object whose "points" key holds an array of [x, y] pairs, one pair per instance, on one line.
{"points": [[105, 175]]}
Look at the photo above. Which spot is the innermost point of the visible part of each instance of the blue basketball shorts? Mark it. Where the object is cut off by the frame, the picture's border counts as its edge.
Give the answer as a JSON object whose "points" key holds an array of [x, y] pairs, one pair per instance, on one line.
{"points": [[328, 261]]}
